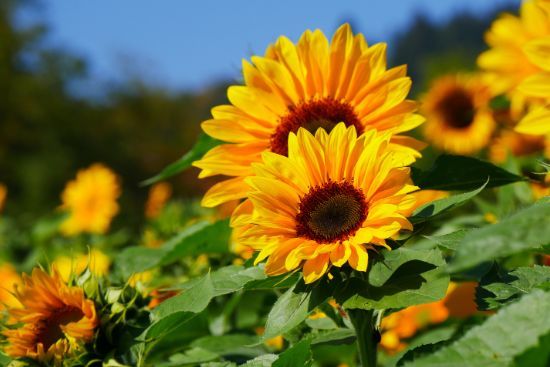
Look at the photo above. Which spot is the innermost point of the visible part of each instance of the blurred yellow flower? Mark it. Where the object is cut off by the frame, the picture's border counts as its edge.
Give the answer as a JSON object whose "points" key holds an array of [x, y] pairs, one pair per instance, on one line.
{"points": [[3, 195], [10, 279], [141, 279], [333, 198], [159, 194], [518, 59], [90, 201], [96, 261], [458, 117], [275, 343], [52, 320], [314, 83]]}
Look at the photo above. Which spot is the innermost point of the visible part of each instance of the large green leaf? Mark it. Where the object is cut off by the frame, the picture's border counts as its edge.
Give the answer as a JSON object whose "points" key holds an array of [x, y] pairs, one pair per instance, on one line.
{"points": [[527, 229], [498, 287], [451, 172], [199, 238], [288, 312], [438, 207], [203, 145], [513, 330], [401, 278], [197, 293], [297, 355], [231, 344], [449, 241]]}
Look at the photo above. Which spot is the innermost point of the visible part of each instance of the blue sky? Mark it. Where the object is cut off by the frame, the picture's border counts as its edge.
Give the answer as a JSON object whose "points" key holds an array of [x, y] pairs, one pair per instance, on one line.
{"points": [[189, 44]]}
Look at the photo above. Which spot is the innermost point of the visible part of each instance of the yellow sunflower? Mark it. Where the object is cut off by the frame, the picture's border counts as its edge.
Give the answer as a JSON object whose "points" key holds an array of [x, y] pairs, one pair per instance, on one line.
{"points": [[90, 200], [52, 320], [518, 53], [331, 199], [314, 83], [96, 261], [10, 280], [459, 119]]}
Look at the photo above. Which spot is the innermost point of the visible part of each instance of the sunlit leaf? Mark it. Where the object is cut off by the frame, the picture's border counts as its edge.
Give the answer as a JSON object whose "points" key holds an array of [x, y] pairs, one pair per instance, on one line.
{"points": [[513, 330], [527, 229]]}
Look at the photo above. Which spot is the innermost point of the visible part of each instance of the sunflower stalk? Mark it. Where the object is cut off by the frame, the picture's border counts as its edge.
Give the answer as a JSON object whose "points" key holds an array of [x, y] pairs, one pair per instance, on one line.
{"points": [[364, 323]]}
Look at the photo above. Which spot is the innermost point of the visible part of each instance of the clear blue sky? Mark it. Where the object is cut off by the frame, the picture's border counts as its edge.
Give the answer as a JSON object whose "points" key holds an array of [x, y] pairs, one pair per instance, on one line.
{"points": [[188, 44]]}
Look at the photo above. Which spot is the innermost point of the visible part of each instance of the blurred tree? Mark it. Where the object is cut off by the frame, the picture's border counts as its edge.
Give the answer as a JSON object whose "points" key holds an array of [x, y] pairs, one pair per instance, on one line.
{"points": [[47, 133]]}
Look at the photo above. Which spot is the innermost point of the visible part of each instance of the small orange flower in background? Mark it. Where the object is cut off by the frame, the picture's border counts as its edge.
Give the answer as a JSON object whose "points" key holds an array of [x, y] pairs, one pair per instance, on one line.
{"points": [[458, 117], [96, 261], [542, 188], [52, 320], [333, 198], [159, 194], [3, 195], [10, 279], [459, 302], [311, 84], [90, 201], [511, 142]]}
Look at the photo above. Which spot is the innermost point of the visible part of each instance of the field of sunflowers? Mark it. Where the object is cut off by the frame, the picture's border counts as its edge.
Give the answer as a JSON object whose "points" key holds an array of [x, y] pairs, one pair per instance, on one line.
{"points": [[347, 225]]}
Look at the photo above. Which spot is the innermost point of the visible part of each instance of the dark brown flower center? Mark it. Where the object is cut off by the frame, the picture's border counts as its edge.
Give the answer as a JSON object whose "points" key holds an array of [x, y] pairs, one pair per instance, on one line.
{"points": [[457, 109], [331, 212], [319, 113], [50, 330]]}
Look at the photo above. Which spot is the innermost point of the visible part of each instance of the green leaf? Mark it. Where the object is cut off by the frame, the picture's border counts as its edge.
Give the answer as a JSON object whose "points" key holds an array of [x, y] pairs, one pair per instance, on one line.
{"points": [[538, 356], [449, 241], [513, 330], [193, 356], [498, 287], [199, 238], [451, 172], [527, 229], [402, 278], [297, 355], [266, 360], [203, 145], [437, 207], [231, 344], [288, 312], [336, 336]]}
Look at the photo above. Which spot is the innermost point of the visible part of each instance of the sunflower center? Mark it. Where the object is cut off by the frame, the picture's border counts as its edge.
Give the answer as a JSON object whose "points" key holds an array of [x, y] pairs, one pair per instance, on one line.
{"points": [[51, 329], [331, 212], [319, 113], [457, 109]]}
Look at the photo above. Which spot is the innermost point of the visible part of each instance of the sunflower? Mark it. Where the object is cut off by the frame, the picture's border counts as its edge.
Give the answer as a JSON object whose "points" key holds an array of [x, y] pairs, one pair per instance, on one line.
{"points": [[90, 201], [310, 84], [96, 261], [331, 199], [52, 320], [518, 52], [10, 280], [459, 119]]}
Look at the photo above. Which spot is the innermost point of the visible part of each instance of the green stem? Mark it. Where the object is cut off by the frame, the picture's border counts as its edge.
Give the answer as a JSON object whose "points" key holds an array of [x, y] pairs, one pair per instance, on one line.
{"points": [[364, 323]]}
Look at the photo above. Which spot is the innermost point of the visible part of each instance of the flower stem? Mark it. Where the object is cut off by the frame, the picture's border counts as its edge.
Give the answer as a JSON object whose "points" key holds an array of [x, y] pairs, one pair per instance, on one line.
{"points": [[364, 323]]}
